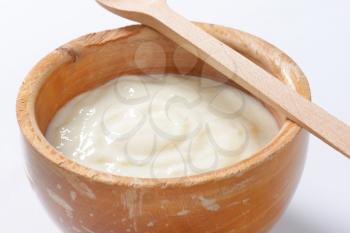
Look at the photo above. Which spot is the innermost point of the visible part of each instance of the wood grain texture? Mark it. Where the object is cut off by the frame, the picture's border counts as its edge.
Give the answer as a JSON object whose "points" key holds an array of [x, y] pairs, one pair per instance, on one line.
{"points": [[237, 68], [247, 197]]}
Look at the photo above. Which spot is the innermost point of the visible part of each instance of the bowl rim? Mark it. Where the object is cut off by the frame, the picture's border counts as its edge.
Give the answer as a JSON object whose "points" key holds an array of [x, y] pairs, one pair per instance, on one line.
{"points": [[30, 129]]}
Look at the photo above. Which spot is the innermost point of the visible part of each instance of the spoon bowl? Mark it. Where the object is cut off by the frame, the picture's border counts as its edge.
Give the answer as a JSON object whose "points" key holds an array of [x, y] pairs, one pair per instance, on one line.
{"points": [[127, 7]]}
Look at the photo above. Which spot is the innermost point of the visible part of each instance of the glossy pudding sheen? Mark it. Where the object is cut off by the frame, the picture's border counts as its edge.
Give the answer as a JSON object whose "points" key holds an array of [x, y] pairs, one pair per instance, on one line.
{"points": [[161, 126]]}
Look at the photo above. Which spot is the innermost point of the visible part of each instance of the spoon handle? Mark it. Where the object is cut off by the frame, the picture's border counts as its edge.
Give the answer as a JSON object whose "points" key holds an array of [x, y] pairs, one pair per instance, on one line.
{"points": [[249, 75]]}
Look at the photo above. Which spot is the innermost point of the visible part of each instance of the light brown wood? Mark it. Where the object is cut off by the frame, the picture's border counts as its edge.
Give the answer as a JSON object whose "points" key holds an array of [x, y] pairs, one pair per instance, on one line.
{"points": [[247, 197], [156, 14]]}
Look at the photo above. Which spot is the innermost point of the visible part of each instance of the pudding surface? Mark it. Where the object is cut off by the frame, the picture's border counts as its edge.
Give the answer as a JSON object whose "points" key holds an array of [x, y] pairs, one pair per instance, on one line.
{"points": [[160, 126]]}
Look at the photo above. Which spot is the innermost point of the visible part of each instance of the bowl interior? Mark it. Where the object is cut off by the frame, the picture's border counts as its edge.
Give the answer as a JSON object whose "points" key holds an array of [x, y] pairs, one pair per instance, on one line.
{"points": [[90, 67], [92, 60]]}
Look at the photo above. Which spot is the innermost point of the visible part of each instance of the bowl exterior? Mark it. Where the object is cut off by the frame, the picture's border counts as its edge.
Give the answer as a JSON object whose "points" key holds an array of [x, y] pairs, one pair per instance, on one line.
{"points": [[249, 202]]}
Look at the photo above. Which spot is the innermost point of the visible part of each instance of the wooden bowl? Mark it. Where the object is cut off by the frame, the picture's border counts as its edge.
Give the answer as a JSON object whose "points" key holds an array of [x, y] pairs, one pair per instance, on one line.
{"points": [[247, 197]]}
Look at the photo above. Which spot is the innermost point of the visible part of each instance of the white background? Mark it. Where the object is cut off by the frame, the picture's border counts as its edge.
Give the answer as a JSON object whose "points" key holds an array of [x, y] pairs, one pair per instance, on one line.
{"points": [[315, 33]]}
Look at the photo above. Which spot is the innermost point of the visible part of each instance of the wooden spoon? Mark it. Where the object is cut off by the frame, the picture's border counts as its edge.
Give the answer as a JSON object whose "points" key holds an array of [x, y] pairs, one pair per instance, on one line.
{"points": [[157, 14]]}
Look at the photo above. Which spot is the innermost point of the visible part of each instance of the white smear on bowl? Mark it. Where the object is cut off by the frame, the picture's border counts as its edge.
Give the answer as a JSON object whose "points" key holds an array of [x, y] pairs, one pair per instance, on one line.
{"points": [[61, 202], [209, 204]]}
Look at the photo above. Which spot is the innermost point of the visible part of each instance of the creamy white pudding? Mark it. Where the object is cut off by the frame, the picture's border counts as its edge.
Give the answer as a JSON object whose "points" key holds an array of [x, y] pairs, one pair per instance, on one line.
{"points": [[161, 126]]}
